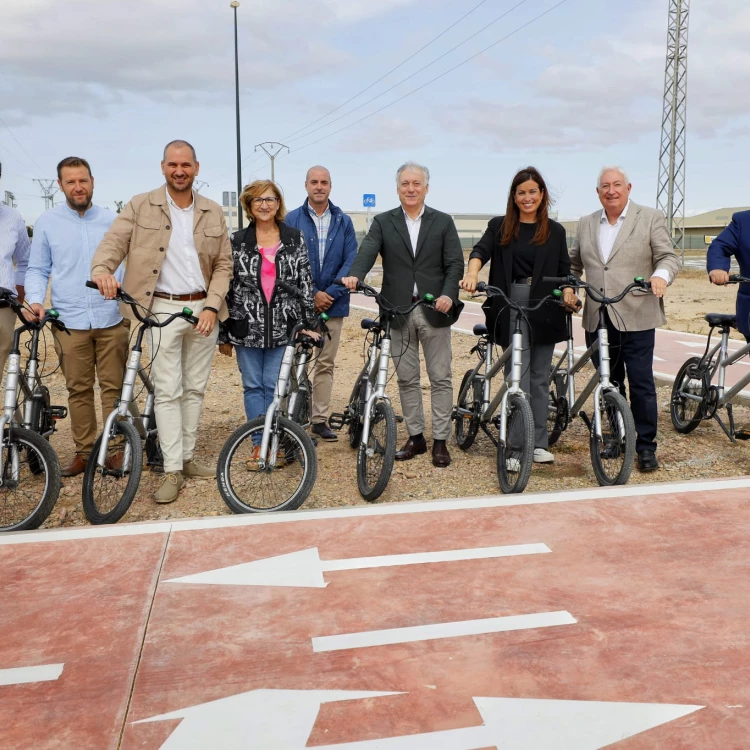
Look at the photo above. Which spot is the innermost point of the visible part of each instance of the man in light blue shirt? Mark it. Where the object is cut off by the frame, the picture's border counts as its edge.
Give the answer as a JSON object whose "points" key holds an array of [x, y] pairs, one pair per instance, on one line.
{"points": [[65, 239], [14, 250]]}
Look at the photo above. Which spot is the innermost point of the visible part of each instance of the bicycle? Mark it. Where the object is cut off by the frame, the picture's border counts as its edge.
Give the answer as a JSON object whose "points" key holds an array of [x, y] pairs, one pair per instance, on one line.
{"points": [[287, 464], [369, 414], [612, 430], [113, 471], [475, 410], [30, 481], [694, 397]]}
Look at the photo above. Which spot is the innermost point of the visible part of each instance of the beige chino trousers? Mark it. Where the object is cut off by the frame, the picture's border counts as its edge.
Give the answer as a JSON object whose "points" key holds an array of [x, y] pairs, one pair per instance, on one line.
{"points": [[7, 324], [322, 374]]}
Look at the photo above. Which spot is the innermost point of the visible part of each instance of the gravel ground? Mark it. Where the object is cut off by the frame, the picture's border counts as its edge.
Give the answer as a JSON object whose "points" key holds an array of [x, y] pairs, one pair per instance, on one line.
{"points": [[706, 453]]}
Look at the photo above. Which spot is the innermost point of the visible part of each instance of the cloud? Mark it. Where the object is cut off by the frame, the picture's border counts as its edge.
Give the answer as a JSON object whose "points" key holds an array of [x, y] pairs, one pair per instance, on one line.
{"points": [[385, 134]]}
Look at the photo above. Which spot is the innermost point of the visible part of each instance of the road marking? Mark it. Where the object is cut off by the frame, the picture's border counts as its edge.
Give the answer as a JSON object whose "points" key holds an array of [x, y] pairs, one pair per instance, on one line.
{"points": [[303, 515], [305, 568], [284, 720], [440, 630], [24, 675]]}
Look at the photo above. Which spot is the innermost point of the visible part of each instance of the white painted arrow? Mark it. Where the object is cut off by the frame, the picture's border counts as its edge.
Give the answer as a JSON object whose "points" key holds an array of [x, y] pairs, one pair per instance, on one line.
{"points": [[305, 568], [24, 675], [284, 719]]}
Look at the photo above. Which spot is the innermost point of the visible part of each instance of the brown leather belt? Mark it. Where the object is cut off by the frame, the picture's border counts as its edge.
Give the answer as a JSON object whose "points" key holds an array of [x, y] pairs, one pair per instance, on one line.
{"points": [[192, 297]]}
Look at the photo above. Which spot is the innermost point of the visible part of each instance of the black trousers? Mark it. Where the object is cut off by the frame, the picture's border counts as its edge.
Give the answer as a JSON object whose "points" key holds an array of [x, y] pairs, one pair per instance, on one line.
{"points": [[631, 353]]}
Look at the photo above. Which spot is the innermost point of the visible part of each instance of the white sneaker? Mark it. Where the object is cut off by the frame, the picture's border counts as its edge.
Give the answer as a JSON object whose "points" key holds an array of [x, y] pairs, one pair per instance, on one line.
{"points": [[512, 464], [542, 456]]}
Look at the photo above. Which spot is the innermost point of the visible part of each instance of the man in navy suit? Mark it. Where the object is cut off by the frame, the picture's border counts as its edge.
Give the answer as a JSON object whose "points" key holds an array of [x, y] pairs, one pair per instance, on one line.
{"points": [[734, 241], [332, 246]]}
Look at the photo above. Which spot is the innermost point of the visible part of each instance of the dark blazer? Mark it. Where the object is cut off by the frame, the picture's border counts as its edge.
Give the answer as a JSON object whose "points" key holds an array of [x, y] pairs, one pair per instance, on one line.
{"points": [[734, 241], [436, 267], [551, 259], [341, 249]]}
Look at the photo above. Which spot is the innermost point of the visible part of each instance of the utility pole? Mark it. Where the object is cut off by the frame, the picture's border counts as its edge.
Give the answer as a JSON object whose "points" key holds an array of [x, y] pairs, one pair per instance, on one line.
{"points": [[670, 196], [234, 5], [272, 149], [48, 189], [10, 199], [199, 185]]}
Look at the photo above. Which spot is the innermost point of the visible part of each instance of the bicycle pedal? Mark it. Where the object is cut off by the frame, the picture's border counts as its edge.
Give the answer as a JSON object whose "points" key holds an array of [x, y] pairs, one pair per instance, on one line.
{"points": [[336, 421], [399, 418], [743, 434], [58, 412]]}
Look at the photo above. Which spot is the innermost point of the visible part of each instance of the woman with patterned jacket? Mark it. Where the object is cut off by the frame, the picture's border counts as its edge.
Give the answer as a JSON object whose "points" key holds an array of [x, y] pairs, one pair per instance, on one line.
{"points": [[260, 314]]}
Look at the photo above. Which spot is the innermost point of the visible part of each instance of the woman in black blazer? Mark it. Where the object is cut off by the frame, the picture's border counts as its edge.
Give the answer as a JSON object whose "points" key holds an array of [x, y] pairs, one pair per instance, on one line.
{"points": [[522, 247]]}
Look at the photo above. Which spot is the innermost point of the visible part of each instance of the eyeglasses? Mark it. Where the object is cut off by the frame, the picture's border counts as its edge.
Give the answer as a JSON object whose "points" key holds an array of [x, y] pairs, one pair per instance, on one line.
{"points": [[267, 201]]}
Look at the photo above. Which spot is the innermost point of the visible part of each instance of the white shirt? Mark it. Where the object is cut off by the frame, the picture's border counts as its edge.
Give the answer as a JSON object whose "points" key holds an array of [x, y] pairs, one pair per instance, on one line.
{"points": [[14, 246], [412, 226], [608, 236], [181, 270]]}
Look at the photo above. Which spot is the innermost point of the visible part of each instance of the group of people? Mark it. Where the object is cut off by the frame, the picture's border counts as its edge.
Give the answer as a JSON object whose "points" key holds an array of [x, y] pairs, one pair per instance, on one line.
{"points": [[170, 248]]}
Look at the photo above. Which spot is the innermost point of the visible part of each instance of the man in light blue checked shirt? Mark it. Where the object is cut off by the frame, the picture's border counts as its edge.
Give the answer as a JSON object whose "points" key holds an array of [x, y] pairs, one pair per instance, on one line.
{"points": [[14, 249], [65, 239]]}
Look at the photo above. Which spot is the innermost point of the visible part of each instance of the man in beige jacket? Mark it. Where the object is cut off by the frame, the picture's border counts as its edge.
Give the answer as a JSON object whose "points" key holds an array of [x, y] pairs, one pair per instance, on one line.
{"points": [[178, 254], [613, 245]]}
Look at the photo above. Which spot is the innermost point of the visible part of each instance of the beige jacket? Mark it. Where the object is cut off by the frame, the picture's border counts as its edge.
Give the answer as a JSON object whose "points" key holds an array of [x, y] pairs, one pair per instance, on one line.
{"points": [[141, 235], [642, 247]]}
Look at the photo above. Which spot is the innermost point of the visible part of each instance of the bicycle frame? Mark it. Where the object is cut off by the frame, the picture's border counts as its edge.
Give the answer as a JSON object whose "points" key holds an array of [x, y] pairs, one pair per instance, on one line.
{"points": [[726, 360], [383, 342]]}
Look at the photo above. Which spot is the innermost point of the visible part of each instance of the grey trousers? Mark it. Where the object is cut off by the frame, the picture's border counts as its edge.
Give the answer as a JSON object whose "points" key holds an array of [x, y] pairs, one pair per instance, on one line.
{"points": [[436, 343], [537, 359]]}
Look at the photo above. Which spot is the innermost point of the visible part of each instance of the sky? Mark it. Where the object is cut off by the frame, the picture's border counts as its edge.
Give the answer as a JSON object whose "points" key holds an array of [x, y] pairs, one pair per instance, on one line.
{"points": [[474, 90]]}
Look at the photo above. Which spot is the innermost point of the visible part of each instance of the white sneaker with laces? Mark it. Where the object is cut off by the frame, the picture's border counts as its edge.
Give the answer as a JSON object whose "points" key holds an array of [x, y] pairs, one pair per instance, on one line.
{"points": [[542, 456]]}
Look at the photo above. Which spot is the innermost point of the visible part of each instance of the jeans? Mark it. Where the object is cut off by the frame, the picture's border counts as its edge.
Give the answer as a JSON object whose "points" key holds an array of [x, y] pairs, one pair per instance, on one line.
{"points": [[260, 370]]}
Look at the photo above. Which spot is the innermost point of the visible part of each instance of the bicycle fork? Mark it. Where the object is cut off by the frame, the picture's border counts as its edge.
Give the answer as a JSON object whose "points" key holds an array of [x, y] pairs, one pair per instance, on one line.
{"points": [[378, 391], [516, 370], [11, 387], [267, 460], [604, 385]]}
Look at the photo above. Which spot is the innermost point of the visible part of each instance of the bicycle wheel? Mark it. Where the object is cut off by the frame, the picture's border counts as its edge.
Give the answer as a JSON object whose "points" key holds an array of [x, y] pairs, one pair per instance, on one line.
{"points": [[557, 414], [612, 456], [301, 413], [246, 488], [108, 492], [30, 480], [375, 459], [354, 410], [467, 426], [515, 455], [688, 396], [41, 417]]}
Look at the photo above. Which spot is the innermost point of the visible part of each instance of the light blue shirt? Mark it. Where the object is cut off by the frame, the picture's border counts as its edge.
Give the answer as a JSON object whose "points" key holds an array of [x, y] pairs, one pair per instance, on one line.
{"points": [[14, 247], [63, 247]]}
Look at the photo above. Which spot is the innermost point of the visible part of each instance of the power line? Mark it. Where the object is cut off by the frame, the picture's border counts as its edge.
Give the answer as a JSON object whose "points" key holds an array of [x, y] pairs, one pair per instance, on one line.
{"points": [[392, 70], [417, 72], [20, 146], [436, 78]]}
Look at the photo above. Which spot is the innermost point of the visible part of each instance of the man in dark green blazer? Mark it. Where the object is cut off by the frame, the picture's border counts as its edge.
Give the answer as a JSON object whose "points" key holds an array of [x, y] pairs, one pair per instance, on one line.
{"points": [[421, 254]]}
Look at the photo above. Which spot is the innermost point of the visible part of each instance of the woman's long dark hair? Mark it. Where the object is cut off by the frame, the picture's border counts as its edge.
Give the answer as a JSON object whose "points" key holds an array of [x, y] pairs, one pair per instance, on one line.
{"points": [[512, 222]]}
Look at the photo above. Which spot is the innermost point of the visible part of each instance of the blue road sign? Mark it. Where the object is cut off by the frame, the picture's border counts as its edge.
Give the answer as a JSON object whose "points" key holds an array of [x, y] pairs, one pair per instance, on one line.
{"points": [[368, 200]]}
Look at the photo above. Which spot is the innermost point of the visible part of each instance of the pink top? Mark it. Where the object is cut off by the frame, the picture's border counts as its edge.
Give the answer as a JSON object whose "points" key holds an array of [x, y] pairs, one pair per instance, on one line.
{"points": [[268, 270]]}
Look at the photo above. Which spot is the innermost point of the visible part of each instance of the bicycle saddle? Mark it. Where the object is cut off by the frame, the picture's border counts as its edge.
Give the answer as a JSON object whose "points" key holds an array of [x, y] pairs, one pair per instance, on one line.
{"points": [[480, 329], [721, 319]]}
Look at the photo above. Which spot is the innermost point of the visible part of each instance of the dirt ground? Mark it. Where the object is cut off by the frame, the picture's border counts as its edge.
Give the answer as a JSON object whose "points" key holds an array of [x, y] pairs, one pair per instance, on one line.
{"points": [[703, 454]]}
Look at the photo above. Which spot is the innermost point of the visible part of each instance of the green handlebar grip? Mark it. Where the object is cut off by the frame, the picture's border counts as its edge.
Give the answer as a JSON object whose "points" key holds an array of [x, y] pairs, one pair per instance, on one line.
{"points": [[429, 297], [187, 311], [556, 293], [324, 317], [53, 314], [639, 279]]}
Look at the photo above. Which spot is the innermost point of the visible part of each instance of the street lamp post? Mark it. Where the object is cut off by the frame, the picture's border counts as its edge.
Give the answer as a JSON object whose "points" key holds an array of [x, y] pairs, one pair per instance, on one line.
{"points": [[234, 5]]}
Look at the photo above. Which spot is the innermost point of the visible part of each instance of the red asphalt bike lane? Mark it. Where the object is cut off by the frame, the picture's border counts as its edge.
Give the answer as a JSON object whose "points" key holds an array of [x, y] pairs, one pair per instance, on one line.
{"points": [[578, 620]]}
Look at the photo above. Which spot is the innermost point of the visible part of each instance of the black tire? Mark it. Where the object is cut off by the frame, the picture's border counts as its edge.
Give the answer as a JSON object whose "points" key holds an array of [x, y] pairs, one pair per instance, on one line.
{"points": [[467, 427], [301, 413], [283, 487], [612, 457], [355, 412], [516, 454], [686, 412], [557, 415], [41, 418], [27, 495], [108, 492], [375, 460]]}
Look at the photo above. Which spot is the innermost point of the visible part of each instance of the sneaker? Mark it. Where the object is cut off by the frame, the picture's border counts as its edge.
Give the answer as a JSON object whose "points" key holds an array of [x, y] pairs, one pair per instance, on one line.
{"points": [[167, 493], [542, 456], [512, 464], [324, 432], [193, 468]]}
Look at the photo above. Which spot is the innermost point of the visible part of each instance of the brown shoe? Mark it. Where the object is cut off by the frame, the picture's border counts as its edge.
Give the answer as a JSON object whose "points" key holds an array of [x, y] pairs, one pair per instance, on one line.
{"points": [[412, 448], [440, 456], [75, 467]]}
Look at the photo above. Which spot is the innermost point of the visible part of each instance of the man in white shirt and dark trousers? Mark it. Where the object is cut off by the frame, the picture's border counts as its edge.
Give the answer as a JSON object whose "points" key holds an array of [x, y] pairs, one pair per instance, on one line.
{"points": [[612, 246], [179, 255], [14, 249]]}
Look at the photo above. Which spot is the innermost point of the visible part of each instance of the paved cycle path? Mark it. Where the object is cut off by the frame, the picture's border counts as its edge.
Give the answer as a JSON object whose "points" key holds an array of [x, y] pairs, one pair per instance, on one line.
{"points": [[671, 350], [583, 619]]}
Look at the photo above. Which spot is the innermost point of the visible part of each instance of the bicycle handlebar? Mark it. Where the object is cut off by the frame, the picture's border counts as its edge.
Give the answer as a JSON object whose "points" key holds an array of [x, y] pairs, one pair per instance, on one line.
{"points": [[186, 313], [51, 316], [387, 308], [493, 291], [574, 282], [736, 278]]}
